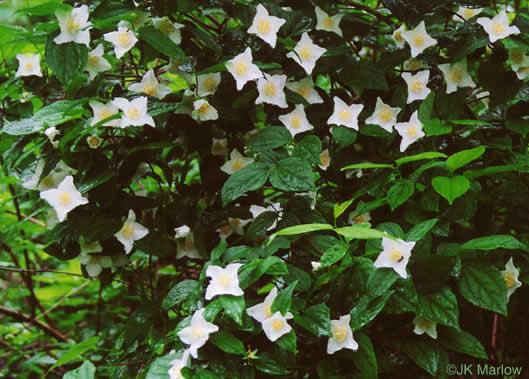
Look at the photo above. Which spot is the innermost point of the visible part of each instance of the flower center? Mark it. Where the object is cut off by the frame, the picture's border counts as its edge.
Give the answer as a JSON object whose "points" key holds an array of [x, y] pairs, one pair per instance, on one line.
{"points": [[412, 130], [424, 324], [395, 255], [225, 229], [28, 66], [149, 89], [203, 108], [128, 231], [339, 333], [328, 22], [237, 165], [417, 86], [324, 160], [123, 39], [398, 36], [360, 219], [270, 89], [218, 147], [509, 279], [456, 75], [167, 27], [72, 25], [305, 53], [295, 122], [93, 60], [210, 84], [93, 141], [523, 70], [345, 115], [196, 332], [235, 221], [418, 39], [264, 26], [385, 115], [241, 68], [278, 325], [188, 244], [224, 280], [304, 91], [468, 13], [498, 27], [64, 197], [268, 310], [134, 113], [105, 114]]}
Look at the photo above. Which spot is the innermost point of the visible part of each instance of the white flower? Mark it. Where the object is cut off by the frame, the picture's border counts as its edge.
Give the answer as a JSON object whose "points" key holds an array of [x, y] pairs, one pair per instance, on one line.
{"points": [[256, 210], [130, 232], [296, 121], [384, 115], [235, 163], [356, 218], [94, 141], [172, 30], [342, 335], [242, 68], [182, 231], [456, 75], [96, 63], [175, 372], [523, 71], [64, 198], [263, 311], [395, 255], [94, 264], [325, 159], [328, 23], [417, 85], [51, 133], [418, 39], [74, 25], [276, 326], [425, 326], [219, 146], [234, 225], [103, 111], [510, 275], [346, 115], [466, 13], [123, 40], [203, 111], [197, 333], [207, 84], [265, 26], [410, 131], [134, 111], [28, 65], [315, 265], [306, 53], [518, 58], [224, 281], [397, 37], [497, 27], [150, 86], [185, 243], [305, 88], [272, 90], [356, 172]]}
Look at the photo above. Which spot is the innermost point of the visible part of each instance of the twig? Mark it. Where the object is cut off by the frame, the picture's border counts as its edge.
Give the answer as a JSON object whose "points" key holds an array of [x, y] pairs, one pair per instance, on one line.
{"points": [[64, 298], [54, 271], [39, 324], [30, 219]]}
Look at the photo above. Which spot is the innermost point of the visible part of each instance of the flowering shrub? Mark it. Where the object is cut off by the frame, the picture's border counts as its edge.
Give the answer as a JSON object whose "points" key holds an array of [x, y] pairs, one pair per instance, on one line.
{"points": [[264, 188]]}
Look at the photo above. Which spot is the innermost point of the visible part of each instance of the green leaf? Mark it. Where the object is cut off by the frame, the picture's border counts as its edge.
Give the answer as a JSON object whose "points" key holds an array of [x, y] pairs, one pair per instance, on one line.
{"points": [[364, 75], [233, 306], [483, 285], [283, 301], [440, 307], [518, 126], [367, 165], [248, 178], [308, 148], [300, 229], [228, 343], [270, 138], [366, 309], [420, 230], [161, 42], [160, 367], [292, 174], [288, 342], [399, 193], [462, 342], [461, 158], [333, 255], [418, 157], [65, 60], [450, 188], [316, 319], [252, 271], [340, 208], [380, 281], [219, 250], [344, 136], [189, 291], [435, 127], [431, 272], [426, 108], [425, 353], [361, 232], [364, 358], [47, 8], [499, 241], [75, 352], [86, 371], [492, 170]]}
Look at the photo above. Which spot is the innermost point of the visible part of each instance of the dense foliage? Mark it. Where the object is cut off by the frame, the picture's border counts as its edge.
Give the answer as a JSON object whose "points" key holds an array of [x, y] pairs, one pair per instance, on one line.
{"points": [[241, 189]]}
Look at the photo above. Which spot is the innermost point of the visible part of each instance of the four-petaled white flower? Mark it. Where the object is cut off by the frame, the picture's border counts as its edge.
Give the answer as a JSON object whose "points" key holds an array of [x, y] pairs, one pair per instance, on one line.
{"points": [[276, 326], [384, 115], [134, 111], [272, 90], [456, 75], [305, 88], [185, 243], [265, 26], [123, 40], [96, 63], [315, 265], [52, 133], [342, 335], [28, 65], [523, 71], [328, 23], [464, 13], [400, 42], [325, 159], [356, 218], [418, 39], [224, 281], [510, 275], [395, 255], [94, 141], [242, 68], [518, 58], [263, 311], [198, 332], [150, 86], [497, 27], [130, 232], [219, 146], [207, 84], [175, 371], [410, 131], [94, 264], [74, 25], [417, 85], [234, 225], [102, 112], [296, 121], [182, 231], [346, 115], [235, 163], [64, 198], [425, 326], [256, 210], [171, 29], [306, 53], [203, 111]]}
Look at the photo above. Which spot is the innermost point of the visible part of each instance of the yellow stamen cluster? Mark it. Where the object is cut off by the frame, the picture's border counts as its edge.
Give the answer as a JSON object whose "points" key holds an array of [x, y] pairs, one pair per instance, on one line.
{"points": [[64, 197], [278, 325], [417, 86], [264, 26], [305, 52], [509, 279], [123, 39], [133, 113], [295, 122], [385, 115], [72, 25], [328, 22], [345, 115], [224, 280], [339, 333], [418, 40], [210, 84], [237, 165], [498, 27], [412, 130], [395, 255], [128, 230], [456, 75], [241, 68], [270, 89]]}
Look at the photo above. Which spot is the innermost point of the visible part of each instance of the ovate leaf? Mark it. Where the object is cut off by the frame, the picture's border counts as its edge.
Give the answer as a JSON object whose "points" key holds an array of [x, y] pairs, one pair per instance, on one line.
{"points": [[450, 188], [248, 178]]}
